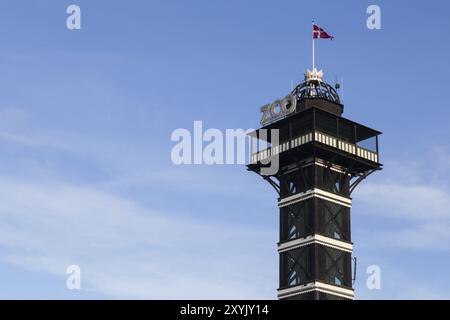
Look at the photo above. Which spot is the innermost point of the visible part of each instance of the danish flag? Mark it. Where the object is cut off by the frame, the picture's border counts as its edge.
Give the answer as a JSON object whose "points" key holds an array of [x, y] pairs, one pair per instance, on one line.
{"points": [[319, 33]]}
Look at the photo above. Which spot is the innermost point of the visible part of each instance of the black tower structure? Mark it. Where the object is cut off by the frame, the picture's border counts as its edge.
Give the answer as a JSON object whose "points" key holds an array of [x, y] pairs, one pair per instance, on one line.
{"points": [[321, 157]]}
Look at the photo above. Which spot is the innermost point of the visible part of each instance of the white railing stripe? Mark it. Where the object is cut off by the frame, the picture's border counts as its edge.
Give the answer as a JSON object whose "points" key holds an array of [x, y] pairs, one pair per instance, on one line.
{"points": [[320, 137]]}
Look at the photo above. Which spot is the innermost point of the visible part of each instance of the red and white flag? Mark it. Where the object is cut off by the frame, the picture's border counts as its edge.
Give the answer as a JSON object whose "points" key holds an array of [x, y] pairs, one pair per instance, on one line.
{"points": [[319, 33]]}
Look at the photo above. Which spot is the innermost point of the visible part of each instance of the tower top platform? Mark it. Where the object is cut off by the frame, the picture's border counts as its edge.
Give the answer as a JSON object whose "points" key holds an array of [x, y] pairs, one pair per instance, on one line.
{"points": [[313, 86]]}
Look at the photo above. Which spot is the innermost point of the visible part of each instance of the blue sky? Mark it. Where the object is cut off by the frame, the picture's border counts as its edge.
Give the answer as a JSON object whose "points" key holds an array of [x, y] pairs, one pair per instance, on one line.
{"points": [[86, 117]]}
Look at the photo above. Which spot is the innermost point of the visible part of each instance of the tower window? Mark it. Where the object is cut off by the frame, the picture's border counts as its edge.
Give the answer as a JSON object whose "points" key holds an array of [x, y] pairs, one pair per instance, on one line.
{"points": [[293, 279], [292, 187], [337, 185], [293, 232], [296, 220], [294, 267]]}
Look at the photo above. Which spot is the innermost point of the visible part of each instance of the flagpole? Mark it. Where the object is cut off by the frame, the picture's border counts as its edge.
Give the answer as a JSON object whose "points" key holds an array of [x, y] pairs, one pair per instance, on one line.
{"points": [[313, 55], [313, 48]]}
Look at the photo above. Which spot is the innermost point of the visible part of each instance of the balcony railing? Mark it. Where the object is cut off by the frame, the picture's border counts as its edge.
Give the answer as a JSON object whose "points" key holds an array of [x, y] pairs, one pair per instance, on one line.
{"points": [[318, 137]]}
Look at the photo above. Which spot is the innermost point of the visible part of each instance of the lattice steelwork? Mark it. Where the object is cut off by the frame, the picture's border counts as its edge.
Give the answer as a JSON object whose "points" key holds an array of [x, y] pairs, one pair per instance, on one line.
{"points": [[316, 89]]}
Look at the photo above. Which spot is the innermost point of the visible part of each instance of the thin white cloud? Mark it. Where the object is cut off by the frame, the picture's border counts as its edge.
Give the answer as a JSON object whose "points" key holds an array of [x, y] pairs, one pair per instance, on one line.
{"points": [[417, 201], [410, 202], [32, 140], [128, 251], [398, 282], [428, 236]]}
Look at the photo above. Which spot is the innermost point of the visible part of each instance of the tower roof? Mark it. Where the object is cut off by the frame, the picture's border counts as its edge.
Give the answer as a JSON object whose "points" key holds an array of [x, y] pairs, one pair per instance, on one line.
{"points": [[314, 87]]}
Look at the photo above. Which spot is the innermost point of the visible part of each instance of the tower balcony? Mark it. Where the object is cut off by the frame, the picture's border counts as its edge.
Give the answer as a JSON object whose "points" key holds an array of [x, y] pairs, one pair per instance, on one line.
{"points": [[327, 134]]}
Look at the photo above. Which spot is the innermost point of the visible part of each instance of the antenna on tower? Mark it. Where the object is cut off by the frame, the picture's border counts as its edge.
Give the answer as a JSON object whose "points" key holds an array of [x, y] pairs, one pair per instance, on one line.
{"points": [[337, 85]]}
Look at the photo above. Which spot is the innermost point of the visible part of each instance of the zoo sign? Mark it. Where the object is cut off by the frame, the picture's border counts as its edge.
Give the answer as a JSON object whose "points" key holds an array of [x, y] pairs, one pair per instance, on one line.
{"points": [[278, 109]]}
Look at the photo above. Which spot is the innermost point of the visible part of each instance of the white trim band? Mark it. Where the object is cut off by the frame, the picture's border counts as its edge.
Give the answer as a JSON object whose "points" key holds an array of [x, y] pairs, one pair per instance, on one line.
{"points": [[319, 193], [317, 238], [316, 286]]}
